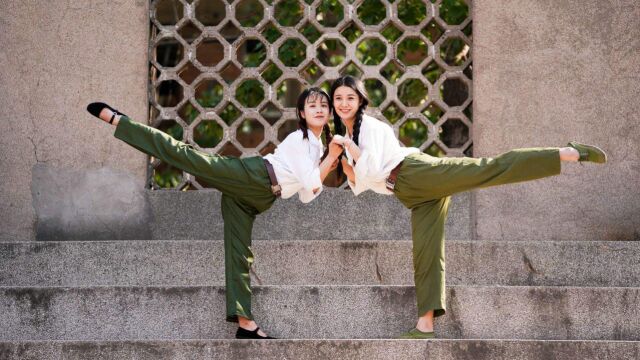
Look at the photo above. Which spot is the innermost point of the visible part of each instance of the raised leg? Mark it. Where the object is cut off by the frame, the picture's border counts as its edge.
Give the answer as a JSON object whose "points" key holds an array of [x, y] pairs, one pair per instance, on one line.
{"points": [[227, 174], [423, 178]]}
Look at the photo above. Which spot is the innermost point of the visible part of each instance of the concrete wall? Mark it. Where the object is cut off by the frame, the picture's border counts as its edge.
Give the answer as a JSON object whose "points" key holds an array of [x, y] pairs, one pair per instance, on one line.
{"points": [[546, 72], [56, 57]]}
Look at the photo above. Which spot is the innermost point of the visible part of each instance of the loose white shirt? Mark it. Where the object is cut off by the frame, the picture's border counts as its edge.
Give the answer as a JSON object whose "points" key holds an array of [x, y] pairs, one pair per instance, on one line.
{"points": [[296, 163], [380, 152]]}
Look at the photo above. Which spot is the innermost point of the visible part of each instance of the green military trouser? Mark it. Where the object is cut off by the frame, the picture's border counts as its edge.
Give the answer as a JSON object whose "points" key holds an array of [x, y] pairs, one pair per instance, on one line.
{"points": [[424, 185], [246, 192]]}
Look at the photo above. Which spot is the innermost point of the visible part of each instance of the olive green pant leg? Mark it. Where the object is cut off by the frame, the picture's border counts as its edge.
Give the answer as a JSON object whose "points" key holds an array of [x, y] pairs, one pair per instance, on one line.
{"points": [[424, 185], [427, 232], [223, 173], [423, 177], [246, 192], [238, 257]]}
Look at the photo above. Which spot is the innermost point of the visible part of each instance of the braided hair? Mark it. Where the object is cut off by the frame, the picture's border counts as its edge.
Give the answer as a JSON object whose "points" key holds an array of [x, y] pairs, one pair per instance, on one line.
{"points": [[310, 95], [358, 86]]}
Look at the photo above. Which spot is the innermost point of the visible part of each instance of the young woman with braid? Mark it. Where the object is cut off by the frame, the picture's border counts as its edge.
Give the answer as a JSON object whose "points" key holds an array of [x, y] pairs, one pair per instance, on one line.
{"points": [[249, 186], [376, 161]]}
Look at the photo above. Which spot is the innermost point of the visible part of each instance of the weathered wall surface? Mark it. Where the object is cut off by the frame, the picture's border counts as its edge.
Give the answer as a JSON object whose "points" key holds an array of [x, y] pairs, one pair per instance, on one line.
{"points": [[84, 205], [547, 72], [56, 57]]}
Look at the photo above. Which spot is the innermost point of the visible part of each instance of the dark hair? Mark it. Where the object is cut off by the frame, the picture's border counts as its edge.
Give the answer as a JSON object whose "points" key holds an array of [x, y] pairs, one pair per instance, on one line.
{"points": [[358, 86], [310, 95]]}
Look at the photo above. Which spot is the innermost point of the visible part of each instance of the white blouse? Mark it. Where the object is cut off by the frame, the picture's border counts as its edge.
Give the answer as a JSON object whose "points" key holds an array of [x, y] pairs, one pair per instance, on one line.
{"points": [[296, 163], [380, 152]]}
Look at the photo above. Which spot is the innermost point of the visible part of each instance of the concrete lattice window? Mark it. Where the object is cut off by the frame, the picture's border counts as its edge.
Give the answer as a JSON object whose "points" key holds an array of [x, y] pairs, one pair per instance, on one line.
{"points": [[225, 74]]}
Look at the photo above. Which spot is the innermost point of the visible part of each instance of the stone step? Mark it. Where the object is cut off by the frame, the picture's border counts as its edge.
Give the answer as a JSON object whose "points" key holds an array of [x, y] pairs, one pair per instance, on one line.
{"points": [[195, 263], [322, 349], [332, 312]]}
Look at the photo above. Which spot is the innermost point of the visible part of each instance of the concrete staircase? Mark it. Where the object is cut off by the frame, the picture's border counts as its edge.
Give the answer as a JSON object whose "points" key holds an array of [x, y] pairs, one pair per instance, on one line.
{"points": [[329, 299]]}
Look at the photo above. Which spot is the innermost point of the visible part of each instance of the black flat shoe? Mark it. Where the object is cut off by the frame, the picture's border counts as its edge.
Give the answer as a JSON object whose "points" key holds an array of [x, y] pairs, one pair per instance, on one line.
{"points": [[246, 334], [96, 107]]}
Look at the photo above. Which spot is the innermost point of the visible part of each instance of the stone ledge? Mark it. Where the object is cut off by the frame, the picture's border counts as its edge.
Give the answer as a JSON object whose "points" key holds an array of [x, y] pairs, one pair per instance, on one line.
{"points": [[334, 312], [308, 262], [336, 215], [85, 205], [322, 349]]}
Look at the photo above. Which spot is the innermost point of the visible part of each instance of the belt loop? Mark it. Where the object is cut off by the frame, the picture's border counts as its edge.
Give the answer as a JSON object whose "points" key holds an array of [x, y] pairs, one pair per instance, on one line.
{"points": [[276, 189]]}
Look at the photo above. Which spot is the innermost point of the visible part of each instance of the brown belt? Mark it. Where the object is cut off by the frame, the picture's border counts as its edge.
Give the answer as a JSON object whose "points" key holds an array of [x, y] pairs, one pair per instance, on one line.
{"points": [[391, 180], [275, 188]]}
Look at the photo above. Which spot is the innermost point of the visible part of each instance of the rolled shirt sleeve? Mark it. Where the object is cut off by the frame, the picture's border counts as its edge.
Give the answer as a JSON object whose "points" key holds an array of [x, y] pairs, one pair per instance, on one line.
{"points": [[307, 196]]}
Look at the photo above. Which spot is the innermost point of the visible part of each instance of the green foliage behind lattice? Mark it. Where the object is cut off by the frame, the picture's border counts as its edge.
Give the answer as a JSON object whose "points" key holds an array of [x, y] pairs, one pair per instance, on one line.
{"points": [[227, 73]]}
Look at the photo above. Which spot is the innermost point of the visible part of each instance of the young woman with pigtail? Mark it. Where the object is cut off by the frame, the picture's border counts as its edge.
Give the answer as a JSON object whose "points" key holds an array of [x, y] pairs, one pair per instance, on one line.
{"points": [[249, 186], [376, 161]]}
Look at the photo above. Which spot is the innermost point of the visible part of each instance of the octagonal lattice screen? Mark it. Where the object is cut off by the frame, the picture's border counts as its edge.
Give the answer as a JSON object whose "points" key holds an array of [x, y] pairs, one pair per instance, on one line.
{"points": [[225, 74]]}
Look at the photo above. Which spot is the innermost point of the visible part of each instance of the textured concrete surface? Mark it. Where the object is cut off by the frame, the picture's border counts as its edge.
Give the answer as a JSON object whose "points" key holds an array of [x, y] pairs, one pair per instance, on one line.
{"points": [[56, 57], [335, 215], [547, 72], [123, 313], [323, 349], [193, 262], [76, 205], [69, 206]]}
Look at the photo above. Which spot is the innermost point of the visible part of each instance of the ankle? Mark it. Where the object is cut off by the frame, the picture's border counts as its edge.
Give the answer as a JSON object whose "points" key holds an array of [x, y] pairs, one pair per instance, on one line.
{"points": [[106, 115], [425, 322], [424, 328], [569, 154], [247, 324]]}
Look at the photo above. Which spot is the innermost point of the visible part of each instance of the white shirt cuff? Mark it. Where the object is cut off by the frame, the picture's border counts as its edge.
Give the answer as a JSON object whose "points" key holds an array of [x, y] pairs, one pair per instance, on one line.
{"points": [[357, 188], [307, 196], [313, 180]]}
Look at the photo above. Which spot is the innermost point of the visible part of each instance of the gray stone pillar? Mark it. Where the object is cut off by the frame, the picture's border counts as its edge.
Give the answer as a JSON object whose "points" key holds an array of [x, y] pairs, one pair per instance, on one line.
{"points": [[547, 72], [56, 57]]}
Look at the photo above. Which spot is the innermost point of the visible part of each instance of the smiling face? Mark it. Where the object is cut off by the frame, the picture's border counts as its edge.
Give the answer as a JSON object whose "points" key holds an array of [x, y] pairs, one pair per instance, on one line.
{"points": [[316, 112], [346, 102]]}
